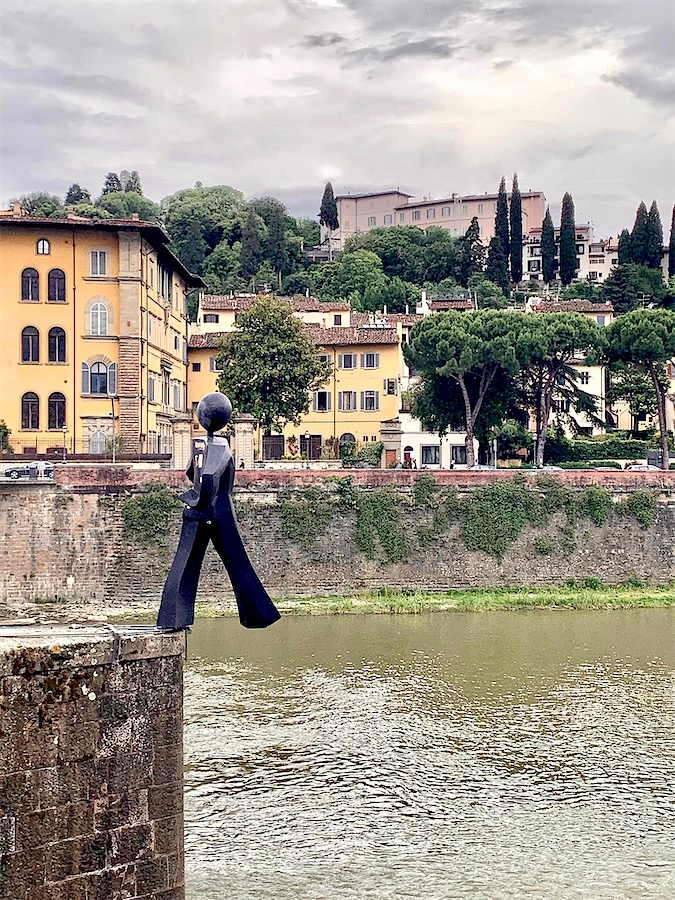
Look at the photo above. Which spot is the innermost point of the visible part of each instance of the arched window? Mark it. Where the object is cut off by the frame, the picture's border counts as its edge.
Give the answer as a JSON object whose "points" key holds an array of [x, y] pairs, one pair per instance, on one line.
{"points": [[98, 319], [56, 411], [30, 286], [30, 344], [43, 247], [57, 345], [347, 438], [56, 286], [97, 442], [99, 378], [30, 411]]}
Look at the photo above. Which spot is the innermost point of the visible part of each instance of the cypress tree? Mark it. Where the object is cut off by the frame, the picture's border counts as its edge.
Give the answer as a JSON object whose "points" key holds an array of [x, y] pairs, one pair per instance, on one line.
{"points": [[568, 248], [472, 253], [654, 237], [497, 269], [548, 248], [671, 247], [77, 194], [328, 215], [276, 245], [516, 217], [133, 183], [625, 251], [502, 220], [639, 238], [112, 184], [251, 248]]}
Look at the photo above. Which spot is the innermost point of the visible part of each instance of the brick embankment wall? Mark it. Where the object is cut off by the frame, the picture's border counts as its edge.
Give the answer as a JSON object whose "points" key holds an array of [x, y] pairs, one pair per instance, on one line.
{"points": [[91, 764], [67, 540]]}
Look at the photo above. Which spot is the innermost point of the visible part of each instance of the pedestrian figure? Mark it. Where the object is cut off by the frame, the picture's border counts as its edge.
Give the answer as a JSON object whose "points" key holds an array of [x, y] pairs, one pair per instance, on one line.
{"points": [[209, 516]]}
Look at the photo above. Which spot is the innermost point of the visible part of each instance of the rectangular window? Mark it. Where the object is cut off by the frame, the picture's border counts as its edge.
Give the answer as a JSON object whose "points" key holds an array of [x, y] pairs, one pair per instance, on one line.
{"points": [[321, 401], [212, 317], [580, 249], [465, 209], [615, 261], [176, 395], [151, 389], [600, 320], [388, 220], [372, 220], [431, 455], [370, 360], [480, 209], [346, 401], [99, 263], [213, 364], [445, 211], [401, 217], [324, 357], [560, 406], [534, 265], [196, 367], [585, 377], [459, 455], [152, 281], [431, 214], [417, 215], [346, 360], [370, 401], [390, 386], [337, 319]]}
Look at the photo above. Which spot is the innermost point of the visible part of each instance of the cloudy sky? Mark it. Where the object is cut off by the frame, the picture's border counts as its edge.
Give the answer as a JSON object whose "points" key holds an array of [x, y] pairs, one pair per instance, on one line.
{"points": [[277, 96]]}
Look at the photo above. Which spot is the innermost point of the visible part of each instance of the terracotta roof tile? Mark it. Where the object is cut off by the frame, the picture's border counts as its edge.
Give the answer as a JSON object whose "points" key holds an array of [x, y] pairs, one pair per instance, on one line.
{"points": [[349, 334], [361, 319], [582, 306], [211, 341], [240, 303], [440, 305]]}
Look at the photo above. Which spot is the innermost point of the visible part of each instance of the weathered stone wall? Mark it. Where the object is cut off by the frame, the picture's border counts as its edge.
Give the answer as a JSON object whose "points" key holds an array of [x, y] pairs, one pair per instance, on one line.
{"points": [[67, 540], [91, 764]]}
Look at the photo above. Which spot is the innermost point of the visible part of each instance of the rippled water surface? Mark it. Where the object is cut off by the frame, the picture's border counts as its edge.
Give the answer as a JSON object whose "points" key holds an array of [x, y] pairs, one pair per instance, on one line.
{"points": [[498, 755]]}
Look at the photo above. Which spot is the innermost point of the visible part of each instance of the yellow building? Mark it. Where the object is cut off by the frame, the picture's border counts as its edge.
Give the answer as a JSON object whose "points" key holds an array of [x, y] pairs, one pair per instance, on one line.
{"points": [[93, 344], [364, 389]]}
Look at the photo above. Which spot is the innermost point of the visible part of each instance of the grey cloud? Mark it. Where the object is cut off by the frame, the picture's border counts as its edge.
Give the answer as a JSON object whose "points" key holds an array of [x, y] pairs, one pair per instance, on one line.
{"points": [[432, 48], [327, 39], [503, 64], [657, 89]]}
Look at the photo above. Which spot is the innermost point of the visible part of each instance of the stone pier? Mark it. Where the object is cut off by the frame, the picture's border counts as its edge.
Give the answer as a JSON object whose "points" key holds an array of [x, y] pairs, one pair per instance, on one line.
{"points": [[91, 763]]}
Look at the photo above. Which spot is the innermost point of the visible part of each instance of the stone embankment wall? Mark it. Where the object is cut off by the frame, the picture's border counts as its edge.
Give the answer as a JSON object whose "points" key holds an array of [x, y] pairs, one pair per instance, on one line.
{"points": [[91, 764], [68, 541]]}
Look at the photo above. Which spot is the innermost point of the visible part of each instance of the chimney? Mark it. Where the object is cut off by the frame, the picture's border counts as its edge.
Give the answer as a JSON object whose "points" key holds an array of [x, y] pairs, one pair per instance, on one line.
{"points": [[17, 211], [384, 309], [135, 217]]}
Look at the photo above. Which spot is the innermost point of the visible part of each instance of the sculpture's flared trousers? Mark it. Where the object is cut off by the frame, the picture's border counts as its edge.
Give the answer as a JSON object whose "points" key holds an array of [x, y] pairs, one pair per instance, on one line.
{"points": [[219, 525]]}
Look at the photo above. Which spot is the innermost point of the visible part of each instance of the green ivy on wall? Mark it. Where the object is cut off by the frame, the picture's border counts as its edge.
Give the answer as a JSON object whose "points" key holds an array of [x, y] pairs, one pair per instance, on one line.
{"points": [[147, 516]]}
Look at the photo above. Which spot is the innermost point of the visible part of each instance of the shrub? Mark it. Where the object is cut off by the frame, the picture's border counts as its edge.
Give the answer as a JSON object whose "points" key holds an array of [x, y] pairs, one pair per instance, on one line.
{"points": [[147, 516]]}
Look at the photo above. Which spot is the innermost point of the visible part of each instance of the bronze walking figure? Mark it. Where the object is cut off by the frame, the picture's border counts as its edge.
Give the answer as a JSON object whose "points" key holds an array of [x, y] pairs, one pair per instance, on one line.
{"points": [[209, 516]]}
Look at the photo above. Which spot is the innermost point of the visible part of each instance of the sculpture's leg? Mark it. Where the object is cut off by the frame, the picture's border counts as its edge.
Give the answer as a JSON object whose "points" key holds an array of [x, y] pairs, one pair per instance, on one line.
{"points": [[177, 609], [256, 610]]}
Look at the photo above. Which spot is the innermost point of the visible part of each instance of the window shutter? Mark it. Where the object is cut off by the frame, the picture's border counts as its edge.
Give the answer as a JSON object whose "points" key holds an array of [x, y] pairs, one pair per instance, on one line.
{"points": [[86, 381], [363, 360], [340, 402], [363, 399], [94, 262], [112, 378], [384, 385], [341, 360], [151, 390], [314, 401], [353, 398], [377, 360], [377, 399], [328, 401]]}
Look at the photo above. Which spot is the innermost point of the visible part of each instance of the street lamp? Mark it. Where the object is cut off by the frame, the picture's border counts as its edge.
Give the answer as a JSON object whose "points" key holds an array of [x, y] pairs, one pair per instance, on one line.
{"points": [[307, 449], [64, 428]]}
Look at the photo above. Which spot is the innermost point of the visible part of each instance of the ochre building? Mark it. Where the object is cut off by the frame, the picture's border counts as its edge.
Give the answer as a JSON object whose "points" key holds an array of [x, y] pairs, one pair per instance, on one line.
{"points": [[93, 341]]}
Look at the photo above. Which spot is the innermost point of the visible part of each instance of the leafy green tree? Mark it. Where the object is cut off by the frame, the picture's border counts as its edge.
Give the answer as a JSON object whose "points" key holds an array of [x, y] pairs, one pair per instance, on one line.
{"points": [[581, 290], [635, 387], [270, 366], [639, 239], [276, 247], [464, 348], [410, 253], [471, 253], [326, 278], [547, 345], [91, 211], [488, 294], [5, 431], [671, 247], [645, 339], [654, 238], [297, 283], [251, 244], [40, 203], [222, 270], [123, 205], [497, 269], [76, 194], [133, 183], [516, 217], [512, 436], [568, 244], [628, 287], [359, 270], [502, 221], [193, 248], [548, 248], [112, 184], [625, 253]]}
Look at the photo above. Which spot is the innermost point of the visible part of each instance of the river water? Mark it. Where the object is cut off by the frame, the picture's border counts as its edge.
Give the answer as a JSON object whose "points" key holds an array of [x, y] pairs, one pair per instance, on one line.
{"points": [[448, 755]]}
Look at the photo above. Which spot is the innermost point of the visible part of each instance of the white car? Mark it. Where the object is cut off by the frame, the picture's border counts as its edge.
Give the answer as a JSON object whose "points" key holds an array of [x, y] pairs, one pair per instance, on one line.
{"points": [[643, 467]]}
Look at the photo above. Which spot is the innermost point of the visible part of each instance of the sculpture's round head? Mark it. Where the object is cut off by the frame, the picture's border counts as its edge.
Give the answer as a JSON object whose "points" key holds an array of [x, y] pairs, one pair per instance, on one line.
{"points": [[214, 411]]}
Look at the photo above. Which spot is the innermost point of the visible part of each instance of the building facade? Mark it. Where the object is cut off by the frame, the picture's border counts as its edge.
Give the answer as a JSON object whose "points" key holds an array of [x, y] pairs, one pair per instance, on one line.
{"points": [[363, 212], [93, 349]]}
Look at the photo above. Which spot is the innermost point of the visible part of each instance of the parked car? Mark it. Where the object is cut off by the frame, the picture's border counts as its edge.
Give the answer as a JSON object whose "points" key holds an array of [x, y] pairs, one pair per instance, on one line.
{"points": [[551, 469], [480, 468], [642, 467], [24, 470]]}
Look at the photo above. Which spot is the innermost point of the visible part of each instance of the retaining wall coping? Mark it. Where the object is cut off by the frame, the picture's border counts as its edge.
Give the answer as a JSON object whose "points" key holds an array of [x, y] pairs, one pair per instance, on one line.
{"points": [[30, 649]]}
